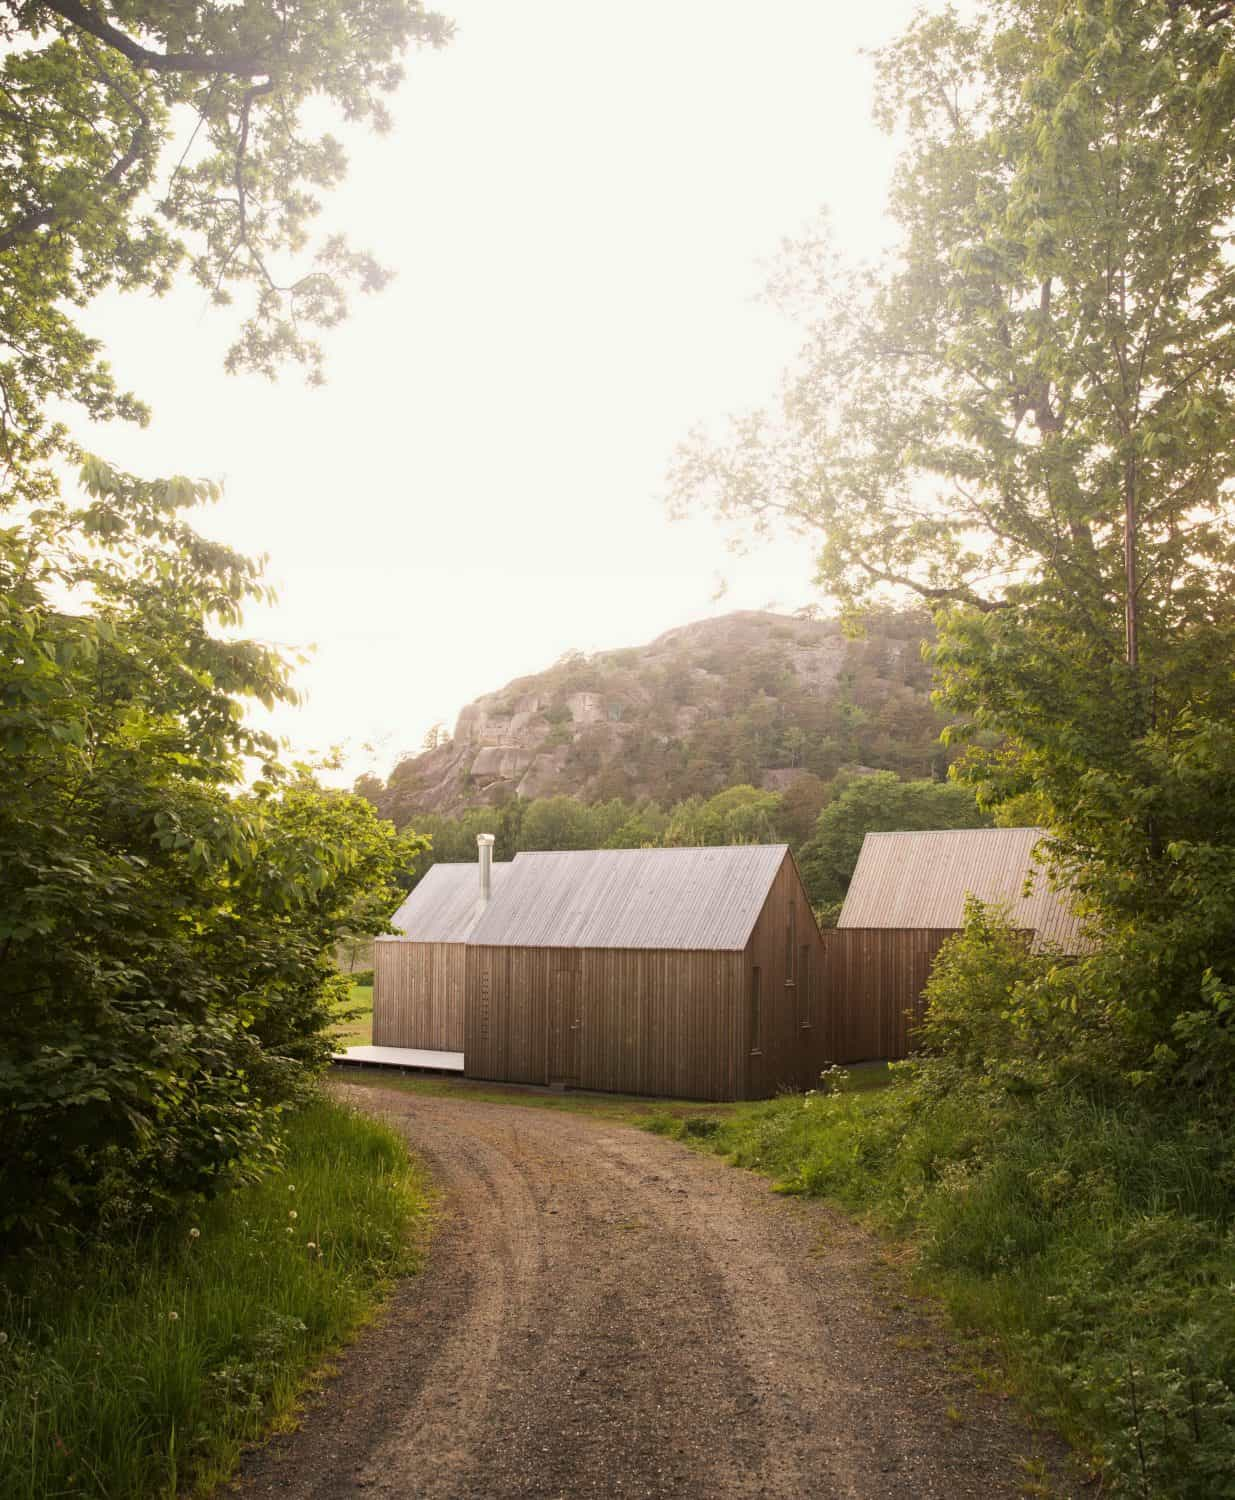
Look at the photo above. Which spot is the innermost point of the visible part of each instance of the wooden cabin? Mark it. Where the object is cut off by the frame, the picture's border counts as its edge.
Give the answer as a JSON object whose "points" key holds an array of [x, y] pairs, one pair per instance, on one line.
{"points": [[693, 973], [906, 898], [419, 976]]}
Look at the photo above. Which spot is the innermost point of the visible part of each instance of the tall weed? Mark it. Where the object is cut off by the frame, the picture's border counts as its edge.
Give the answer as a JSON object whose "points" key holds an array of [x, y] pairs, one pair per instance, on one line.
{"points": [[139, 1368], [1096, 1240]]}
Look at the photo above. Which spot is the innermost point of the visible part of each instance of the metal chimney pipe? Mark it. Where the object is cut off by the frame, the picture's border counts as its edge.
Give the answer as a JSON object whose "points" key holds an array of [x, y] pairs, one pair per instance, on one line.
{"points": [[484, 844]]}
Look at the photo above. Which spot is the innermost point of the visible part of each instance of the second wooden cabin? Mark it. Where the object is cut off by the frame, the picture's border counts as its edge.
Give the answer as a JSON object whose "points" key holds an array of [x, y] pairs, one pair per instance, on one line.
{"points": [[906, 898]]}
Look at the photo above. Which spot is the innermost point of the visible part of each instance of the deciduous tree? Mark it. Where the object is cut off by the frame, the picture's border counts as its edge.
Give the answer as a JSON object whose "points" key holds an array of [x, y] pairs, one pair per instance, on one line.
{"points": [[1034, 398], [1026, 418], [880, 803], [138, 141]]}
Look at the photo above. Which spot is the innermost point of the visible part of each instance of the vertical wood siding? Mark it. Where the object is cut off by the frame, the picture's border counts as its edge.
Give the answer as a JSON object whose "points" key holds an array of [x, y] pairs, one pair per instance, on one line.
{"points": [[788, 951], [649, 1021], [418, 995], [874, 978]]}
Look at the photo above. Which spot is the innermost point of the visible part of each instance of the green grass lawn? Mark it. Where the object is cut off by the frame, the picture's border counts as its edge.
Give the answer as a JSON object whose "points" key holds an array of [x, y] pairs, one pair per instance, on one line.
{"points": [[139, 1369], [357, 1030], [632, 1109]]}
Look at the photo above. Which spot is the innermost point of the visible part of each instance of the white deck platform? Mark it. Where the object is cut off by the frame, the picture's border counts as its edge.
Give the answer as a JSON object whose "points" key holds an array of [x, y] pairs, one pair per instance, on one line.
{"points": [[402, 1057]]}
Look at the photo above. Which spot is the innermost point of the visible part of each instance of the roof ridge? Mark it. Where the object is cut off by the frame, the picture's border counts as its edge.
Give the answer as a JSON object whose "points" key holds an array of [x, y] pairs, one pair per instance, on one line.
{"points": [[651, 849], [900, 833]]}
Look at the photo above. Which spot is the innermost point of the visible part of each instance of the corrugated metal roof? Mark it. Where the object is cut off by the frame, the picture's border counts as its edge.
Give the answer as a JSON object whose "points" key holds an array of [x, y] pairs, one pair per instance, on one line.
{"points": [[445, 906], [922, 879], [700, 899]]}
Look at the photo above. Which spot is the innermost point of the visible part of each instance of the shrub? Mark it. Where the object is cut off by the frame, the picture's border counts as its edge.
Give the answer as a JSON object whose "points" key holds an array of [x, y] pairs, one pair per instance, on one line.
{"points": [[165, 989]]}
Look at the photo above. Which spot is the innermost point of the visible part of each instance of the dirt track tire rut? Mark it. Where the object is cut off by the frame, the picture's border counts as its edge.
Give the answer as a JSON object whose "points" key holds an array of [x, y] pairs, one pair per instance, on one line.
{"points": [[605, 1313]]}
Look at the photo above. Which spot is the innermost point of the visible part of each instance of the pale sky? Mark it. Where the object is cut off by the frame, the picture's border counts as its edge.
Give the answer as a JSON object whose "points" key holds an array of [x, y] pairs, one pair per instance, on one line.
{"points": [[577, 199]]}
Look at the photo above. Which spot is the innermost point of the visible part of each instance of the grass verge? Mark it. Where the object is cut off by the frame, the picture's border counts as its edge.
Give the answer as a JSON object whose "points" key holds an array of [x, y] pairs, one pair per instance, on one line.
{"points": [[355, 1026], [1094, 1240], [629, 1109], [142, 1368]]}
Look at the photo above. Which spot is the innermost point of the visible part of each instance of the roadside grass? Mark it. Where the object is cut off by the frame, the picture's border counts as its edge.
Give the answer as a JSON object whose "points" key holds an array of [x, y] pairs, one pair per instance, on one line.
{"points": [[661, 1116], [141, 1368], [354, 1027], [1093, 1241]]}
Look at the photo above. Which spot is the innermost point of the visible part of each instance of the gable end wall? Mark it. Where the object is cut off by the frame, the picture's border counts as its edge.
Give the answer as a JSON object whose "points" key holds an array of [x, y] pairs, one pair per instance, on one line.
{"points": [[418, 995], [795, 1017]]}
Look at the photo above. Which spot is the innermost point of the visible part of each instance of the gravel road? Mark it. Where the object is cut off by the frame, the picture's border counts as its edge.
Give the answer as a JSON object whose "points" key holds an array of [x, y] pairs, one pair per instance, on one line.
{"points": [[606, 1313]]}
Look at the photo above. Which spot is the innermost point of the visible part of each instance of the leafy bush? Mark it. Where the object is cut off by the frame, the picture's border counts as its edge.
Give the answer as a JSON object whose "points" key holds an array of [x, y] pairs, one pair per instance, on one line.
{"points": [[871, 804], [1086, 1217], [1097, 1240], [165, 931]]}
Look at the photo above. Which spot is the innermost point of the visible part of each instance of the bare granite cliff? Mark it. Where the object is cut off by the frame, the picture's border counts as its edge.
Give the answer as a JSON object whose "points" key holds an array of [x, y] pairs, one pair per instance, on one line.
{"points": [[750, 696]]}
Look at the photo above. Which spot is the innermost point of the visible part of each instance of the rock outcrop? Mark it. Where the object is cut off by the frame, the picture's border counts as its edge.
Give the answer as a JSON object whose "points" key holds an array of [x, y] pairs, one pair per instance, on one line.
{"points": [[748, 696]]}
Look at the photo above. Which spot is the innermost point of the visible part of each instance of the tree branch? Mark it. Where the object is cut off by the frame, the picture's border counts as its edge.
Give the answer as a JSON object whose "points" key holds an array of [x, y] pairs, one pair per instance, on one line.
{"points": [[239, 64], [1209, 15], [45, 218], [941, 595]]}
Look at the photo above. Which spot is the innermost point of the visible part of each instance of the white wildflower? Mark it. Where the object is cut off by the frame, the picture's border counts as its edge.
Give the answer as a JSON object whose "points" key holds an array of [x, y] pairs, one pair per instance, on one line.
{"points": [[292, 1214], [173, 1316], [195, 1234]]}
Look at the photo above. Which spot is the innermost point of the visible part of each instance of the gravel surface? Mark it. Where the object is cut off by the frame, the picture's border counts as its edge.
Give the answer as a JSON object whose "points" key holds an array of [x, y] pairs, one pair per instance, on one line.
{"points": [[606, 1313]]}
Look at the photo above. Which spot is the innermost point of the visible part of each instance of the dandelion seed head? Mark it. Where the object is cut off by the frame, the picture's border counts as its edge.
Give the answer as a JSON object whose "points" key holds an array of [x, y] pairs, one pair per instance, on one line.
{"points": [[292, 1214], [173, 1316], [195, 1234]]}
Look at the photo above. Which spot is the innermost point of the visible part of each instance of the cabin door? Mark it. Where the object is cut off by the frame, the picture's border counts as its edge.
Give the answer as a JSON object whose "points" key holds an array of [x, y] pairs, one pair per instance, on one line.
{"points": [[565, 1023]]}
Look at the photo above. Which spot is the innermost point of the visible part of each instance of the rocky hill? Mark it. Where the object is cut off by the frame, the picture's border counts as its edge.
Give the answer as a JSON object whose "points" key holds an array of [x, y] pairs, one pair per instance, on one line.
{"points": [[749, 697]]}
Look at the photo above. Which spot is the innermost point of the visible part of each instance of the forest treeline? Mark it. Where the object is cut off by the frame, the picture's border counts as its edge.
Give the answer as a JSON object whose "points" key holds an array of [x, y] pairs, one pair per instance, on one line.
{"points": [[822, 822]]}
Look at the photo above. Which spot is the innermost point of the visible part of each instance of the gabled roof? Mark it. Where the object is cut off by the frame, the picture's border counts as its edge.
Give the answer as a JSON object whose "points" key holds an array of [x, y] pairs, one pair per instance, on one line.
{"points": [[922, 879], [632, 898], [445, 906]]}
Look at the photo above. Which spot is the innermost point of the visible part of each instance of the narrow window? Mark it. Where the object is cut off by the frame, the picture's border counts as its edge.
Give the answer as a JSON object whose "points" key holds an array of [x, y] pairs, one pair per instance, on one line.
{"points": [[756, 1013], [805, 999], [791, 926]]}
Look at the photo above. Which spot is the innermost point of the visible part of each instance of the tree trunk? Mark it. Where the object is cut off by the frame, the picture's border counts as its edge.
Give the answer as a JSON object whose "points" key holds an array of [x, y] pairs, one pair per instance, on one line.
{"points": [[1132, 645]]}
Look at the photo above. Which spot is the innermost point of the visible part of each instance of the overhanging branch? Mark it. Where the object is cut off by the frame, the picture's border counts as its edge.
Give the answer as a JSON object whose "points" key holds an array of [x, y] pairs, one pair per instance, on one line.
{"points": [[202, 64]]}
